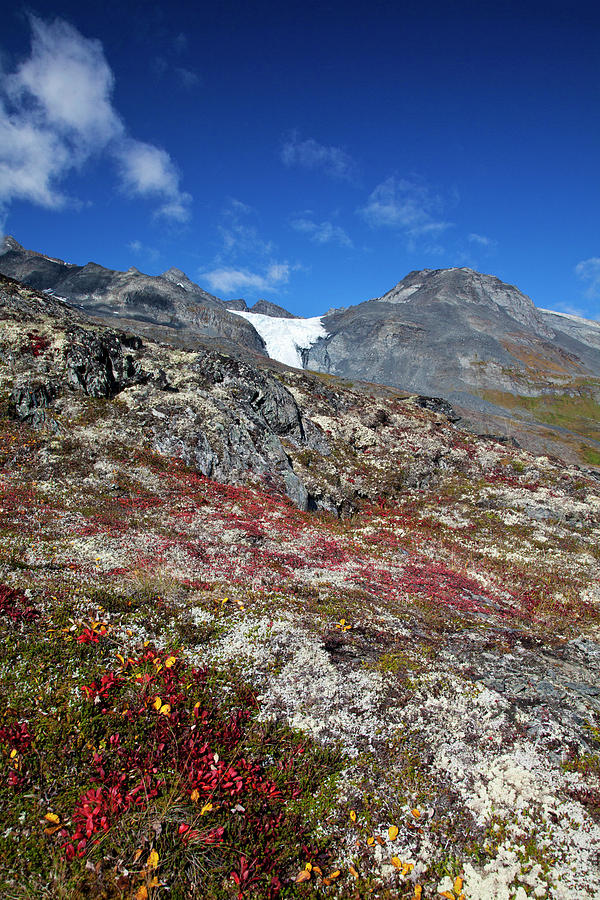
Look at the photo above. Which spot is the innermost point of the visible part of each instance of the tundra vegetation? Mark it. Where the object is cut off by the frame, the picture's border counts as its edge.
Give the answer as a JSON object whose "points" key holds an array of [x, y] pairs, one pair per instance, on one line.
{"points": [[359, 660]]}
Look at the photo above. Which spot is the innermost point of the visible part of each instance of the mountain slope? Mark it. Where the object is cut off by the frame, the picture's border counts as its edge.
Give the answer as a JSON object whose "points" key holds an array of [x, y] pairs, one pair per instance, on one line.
{"points": [[167, 302], [210, 690], [452, 332], [507, 367], [479, 343]]}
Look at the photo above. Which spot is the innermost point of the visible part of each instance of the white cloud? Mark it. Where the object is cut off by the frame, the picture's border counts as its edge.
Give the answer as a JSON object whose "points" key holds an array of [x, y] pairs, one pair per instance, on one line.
{"points": [[231, 280], [400, 203], [146, 170], [239, 235], [482, 240], [322, 232], [309, 154], [246, 262], [141, 249], [56, 112], [187, 77], [588, 270]]}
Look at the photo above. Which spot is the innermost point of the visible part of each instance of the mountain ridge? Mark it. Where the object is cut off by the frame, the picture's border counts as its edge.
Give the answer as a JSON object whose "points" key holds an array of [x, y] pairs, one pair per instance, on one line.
{"points": [[454, 333]]}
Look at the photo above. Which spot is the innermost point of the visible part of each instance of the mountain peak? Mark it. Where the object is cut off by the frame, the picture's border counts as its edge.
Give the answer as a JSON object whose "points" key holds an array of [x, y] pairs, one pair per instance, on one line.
{"points": [[463, 286], [9, 243]]}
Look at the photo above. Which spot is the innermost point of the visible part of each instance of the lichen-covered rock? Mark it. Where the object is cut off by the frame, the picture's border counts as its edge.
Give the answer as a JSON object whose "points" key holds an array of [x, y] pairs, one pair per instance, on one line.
{"points": [[31, 400], [98, 364]]}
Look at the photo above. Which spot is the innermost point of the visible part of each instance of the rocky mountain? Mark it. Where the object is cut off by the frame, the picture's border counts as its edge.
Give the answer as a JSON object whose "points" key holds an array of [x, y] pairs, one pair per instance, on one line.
{"points": [[261, 307], [456, 333], [169, 305], [479, 344], [270, 633]]}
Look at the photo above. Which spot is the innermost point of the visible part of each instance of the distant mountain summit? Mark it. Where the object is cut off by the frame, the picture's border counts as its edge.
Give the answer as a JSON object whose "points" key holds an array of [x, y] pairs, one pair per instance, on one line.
{"points": [[466, 287], [261, 307], [457, 334]]}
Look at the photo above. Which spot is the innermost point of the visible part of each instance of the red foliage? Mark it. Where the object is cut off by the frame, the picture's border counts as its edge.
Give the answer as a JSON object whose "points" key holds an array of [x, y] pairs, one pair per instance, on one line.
{"points": [[15, 605], [198, 742], [37, 343]]}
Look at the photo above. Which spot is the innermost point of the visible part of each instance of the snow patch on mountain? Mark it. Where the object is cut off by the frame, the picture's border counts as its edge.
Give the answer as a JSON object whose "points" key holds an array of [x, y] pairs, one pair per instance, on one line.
{"points": [[285, 338], [579, 319]]}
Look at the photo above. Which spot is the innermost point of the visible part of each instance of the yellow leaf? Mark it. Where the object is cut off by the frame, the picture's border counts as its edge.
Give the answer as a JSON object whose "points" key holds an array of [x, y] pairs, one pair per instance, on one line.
{"points": [[447, 895], [157, 704], [13, 753], [165, 709], [52, 817], [418, 891], [137, 855], [458, 885], [396, 862], [393, 832], [121, 659], [304, 875], [142, 893], [370, 841], [353, 815], [416, 813], [206, 809], [308, 867], [155, 882], [335, 874], [195, 795], [317, 870], [170, 661], [152, 860], [353, 871], [407, 868]]}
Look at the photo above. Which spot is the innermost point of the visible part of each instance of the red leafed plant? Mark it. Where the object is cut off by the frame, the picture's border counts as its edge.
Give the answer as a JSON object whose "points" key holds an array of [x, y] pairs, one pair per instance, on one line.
{"points": [[164, 730], [15, 605]]}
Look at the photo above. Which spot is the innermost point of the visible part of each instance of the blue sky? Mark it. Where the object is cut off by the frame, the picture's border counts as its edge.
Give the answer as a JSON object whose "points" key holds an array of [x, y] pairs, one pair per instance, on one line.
{"points": [[310, 153]]}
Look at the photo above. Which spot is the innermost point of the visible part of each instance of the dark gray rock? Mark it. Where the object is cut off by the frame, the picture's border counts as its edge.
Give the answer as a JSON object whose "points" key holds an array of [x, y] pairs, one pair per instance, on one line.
{"points": [[239, 305], [31, 401], [438, 405], [98, 365], [266, 308]]}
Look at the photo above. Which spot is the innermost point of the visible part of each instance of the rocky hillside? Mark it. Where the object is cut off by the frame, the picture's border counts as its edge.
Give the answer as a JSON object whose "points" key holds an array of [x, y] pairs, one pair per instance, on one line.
{"points": [[270, 635], [506, 366], [169, 306], [482, 345]]}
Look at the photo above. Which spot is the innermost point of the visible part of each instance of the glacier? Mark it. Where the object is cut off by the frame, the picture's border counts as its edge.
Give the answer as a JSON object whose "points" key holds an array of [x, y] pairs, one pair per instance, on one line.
{"points": [[285, 338]]}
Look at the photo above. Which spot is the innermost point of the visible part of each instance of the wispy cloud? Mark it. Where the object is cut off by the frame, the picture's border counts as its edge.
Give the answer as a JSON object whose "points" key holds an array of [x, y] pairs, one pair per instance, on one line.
{"points": [[482, 241], [246, 261], [239, 233], [231, 280], [140, 249], [588, 270], [56, 113], [309, 154], [187, 77], [405, 204], [146, 170], [322, 232]]}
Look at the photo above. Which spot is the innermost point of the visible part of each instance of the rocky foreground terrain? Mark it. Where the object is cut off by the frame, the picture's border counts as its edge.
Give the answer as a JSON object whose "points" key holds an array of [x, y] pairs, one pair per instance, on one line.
{"points": [[268, 633]]}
